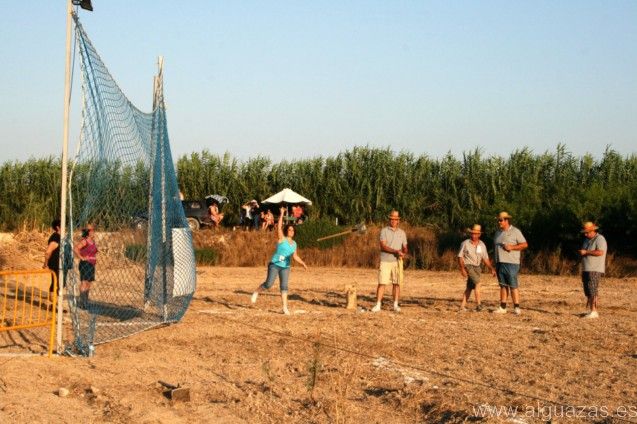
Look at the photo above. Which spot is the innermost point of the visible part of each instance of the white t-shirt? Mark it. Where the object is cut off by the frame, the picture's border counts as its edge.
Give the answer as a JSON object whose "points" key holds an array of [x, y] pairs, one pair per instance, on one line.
{"points": [[473, 254]]}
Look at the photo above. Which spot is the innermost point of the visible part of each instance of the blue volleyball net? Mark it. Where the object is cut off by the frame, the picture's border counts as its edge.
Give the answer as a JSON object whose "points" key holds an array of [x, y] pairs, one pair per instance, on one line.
{"points": [[123, 183]]}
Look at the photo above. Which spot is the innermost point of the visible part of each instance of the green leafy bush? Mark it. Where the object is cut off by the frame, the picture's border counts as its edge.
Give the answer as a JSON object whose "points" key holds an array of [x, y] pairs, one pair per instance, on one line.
{"points": [[135, 252], [206, 256], [308, 232]]}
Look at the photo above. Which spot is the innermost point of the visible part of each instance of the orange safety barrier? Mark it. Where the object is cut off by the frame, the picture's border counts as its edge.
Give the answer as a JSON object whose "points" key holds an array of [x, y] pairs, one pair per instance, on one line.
{"points": [[24, 305]]}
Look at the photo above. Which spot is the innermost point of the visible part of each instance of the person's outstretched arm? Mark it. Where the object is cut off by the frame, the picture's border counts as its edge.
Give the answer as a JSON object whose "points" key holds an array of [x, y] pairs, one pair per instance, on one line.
{"points": [[280, 226]]}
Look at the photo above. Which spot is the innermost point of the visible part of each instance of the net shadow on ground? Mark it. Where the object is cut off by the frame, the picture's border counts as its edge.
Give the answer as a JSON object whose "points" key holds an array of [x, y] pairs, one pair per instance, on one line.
{"points": [[33, 340], [116, 312]]}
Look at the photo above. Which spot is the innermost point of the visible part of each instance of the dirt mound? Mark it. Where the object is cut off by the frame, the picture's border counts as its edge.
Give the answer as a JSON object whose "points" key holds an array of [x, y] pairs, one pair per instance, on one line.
{"points": [[24, 250]]}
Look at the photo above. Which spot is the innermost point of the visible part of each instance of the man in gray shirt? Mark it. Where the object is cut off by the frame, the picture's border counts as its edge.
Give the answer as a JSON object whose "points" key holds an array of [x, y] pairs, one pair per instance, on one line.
{"points": [[509, 242], [393, 248], [593, 253]]}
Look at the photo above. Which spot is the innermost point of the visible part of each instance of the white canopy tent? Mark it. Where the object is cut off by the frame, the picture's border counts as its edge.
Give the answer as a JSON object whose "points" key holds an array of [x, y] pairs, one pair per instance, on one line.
{"points": [[287, 196]]}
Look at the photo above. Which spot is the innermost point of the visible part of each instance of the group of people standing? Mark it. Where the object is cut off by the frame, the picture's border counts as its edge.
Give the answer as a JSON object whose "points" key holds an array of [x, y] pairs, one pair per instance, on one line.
{"points": [[257, 217], [508, 242], [85, 249]]}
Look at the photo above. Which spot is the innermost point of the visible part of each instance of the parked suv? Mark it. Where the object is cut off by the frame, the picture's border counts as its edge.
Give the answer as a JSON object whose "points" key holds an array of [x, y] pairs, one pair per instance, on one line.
{"points": [[196, 212]]}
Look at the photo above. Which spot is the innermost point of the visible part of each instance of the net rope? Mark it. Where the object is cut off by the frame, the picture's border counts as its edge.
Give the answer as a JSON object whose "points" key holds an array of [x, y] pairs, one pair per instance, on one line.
{"points": [[123, 183]]}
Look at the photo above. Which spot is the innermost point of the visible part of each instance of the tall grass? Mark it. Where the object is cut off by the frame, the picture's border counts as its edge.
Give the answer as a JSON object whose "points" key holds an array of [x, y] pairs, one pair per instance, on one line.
{"points": [[549, 194]]}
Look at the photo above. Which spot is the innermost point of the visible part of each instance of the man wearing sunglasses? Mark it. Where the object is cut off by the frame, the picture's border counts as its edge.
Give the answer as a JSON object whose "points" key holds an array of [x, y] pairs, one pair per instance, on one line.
{"points": [[509, 242], [593, 253]]}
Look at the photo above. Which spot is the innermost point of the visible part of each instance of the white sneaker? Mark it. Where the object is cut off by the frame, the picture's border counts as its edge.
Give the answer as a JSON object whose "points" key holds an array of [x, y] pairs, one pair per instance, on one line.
{"points": [[591, 315], [500, 310], [253, 299], [285, 311], [517, 311], [376, 308], [396, 308]]}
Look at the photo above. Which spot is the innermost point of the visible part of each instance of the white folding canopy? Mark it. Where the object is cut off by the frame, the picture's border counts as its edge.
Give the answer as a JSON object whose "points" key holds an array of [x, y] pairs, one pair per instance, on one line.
{"points": [[287, 196]]}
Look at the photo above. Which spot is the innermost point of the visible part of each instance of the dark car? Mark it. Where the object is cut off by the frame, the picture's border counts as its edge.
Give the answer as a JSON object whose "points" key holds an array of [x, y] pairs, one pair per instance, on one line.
{"points": [[196, 212]]}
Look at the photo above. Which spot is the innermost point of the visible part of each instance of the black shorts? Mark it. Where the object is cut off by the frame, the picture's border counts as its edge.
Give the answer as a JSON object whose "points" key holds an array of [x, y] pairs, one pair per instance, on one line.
{"points": [[590, 281], [87, 271], [57, 272]]}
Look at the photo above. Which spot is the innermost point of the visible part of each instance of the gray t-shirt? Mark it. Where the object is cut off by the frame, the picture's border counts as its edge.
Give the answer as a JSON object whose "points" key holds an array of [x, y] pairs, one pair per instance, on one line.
{"points": [[594, 263], [473, 255], [394, 239], [510, 236]]}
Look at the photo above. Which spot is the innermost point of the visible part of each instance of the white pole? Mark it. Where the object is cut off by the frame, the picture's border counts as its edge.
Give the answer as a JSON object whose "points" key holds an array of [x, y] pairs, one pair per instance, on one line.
{"points": [[65, 148], [160, 128]]}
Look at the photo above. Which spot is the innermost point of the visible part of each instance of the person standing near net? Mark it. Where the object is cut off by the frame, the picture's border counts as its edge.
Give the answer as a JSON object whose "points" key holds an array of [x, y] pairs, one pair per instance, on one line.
{"points": [[86, 251], [509, 242], [470, 257], [393, 248], [280, 263], [52, 253], [593, 253]]}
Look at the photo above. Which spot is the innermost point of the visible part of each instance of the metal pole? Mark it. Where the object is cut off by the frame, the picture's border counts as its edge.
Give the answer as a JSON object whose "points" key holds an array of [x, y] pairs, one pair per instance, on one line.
{"points": [[63, 194], [160, 129]]}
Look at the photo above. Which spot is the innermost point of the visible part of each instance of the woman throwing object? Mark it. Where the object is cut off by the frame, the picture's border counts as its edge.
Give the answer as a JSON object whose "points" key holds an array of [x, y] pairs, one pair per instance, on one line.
{"points": [[280, 262]]}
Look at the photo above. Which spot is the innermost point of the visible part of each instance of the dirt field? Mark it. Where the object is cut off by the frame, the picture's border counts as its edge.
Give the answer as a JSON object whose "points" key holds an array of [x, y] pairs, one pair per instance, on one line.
{"points": [[324, 363]]}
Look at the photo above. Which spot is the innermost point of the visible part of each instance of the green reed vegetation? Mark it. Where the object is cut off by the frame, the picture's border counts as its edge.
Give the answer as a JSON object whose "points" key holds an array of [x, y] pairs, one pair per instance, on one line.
{"points": [[548, 194]]}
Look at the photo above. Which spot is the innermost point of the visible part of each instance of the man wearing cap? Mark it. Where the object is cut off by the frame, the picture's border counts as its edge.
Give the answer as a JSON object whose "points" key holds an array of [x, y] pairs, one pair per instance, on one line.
{"points": [[393, 248], [470, 257], [593, 253], [509, 242]]}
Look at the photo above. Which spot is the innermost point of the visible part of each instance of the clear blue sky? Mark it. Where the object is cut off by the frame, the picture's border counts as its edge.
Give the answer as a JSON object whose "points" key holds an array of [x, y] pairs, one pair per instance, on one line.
{"points": [[298, 79]]}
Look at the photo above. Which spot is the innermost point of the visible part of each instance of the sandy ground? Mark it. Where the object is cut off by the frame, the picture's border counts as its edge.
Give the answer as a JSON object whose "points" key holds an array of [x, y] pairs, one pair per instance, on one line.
{"points": [[429, 363]]}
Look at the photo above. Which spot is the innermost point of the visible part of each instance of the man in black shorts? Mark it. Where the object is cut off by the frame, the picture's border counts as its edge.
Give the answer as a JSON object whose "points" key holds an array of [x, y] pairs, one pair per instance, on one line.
{"points": [[593, 253]]}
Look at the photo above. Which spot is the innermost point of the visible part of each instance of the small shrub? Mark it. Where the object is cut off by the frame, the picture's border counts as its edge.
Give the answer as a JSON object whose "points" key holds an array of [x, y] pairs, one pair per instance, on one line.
{"points": [[135, 252], [307, 233], [206, 256]]}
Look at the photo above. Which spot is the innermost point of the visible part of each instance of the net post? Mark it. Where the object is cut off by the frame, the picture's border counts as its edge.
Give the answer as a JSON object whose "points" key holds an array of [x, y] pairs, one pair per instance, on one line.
{"points": [[63, 194]]}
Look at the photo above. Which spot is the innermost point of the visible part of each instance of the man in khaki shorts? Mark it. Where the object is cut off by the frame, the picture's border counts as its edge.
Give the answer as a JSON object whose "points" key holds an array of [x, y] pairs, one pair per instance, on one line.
{"points": [[393, 248]]}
